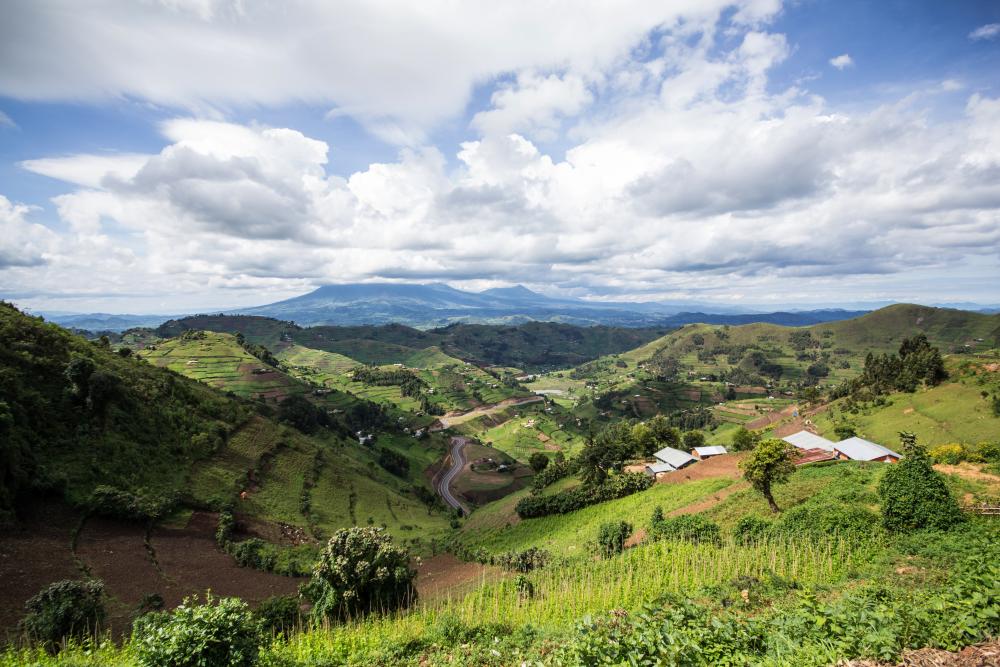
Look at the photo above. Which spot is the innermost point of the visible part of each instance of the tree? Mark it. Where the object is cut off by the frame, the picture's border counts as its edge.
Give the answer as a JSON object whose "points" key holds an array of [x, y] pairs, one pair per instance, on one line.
{"points": [[845, 431], [744, 440], [300, 413], [538, 462], [360, 571], [913, 495], [645, 443], [771, 462], [78, 372], [693, 439], [663, 433]]}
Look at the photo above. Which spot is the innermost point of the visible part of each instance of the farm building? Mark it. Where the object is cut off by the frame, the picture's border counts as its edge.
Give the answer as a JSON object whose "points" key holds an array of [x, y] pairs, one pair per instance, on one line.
{"points": [[675, 458], [654, 470], [859, 449], [708, 451], [807, 440]]}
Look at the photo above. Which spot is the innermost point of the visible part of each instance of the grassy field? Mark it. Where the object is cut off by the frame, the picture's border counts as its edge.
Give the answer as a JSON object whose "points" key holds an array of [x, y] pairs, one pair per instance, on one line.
{"points": [[568, 534], [953, 412]]}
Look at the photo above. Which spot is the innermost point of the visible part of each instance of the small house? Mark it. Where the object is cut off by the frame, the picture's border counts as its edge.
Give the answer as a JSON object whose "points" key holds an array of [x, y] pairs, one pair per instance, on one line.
{"points": [[859, 449], [675, 458], [654, 470], [708, 452], [807, 440]]}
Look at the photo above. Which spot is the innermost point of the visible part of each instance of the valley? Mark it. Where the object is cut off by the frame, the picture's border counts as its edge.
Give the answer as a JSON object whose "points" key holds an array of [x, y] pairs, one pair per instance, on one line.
{"points": [[229, 449]]}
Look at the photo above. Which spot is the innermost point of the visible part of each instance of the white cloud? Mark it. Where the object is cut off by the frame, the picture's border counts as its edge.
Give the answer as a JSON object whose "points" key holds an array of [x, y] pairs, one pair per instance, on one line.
{"points": [[988, 31], [685, 172], [22, 243], [398, 66], [843, 61], [6, 121]]}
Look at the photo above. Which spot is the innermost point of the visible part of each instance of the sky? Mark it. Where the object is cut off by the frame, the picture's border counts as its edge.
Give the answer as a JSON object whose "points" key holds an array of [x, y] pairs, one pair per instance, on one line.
{"points": [[169, 156]]}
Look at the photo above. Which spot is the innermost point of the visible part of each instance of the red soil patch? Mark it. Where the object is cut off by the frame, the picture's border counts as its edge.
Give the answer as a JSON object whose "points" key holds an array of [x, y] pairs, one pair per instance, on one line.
{"points": [[446, 574], [32, 555], [726, 465], [187, 561], [773, 417]]}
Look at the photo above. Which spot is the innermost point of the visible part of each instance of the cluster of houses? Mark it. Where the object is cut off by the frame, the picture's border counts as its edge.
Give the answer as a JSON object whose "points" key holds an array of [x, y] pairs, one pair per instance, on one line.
{"points": [[813, 448]]}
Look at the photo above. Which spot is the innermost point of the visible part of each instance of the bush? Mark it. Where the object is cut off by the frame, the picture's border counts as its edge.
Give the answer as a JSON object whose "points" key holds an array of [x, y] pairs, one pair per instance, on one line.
{"points": [[538, 462], [744, 440], [221, 633], [279, 614], [525, 561], [64, 609], [914, 495], [611, 537], [617, 486], [951, 453], [394, 462], [690, 527], [845, 521], [118, 504], [750, 529], [693, 439], [361, 571]]}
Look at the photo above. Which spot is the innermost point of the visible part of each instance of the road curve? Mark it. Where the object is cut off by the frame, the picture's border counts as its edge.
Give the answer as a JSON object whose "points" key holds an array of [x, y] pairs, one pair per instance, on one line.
{"points": [[457, 463]]}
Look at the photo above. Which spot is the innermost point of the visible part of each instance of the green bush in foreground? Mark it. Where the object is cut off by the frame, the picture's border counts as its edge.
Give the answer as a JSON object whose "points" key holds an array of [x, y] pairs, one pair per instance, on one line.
{"points": [[690, 527], [64, 609], [361, 571], [221, 633]]}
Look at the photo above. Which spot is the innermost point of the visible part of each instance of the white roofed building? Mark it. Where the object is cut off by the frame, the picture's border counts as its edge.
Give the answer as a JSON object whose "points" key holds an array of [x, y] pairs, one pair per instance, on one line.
{"points": [[859, 449], [807, 440], [706, 452]]}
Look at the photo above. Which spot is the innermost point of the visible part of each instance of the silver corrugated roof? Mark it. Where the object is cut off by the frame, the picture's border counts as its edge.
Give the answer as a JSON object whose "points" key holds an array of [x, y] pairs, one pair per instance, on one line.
{"points": [[674, 457], [860, 449], [807, 440]]}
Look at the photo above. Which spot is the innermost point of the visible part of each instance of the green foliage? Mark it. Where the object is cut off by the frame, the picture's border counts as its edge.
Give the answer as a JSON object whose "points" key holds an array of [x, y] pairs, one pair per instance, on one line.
{"points": [[538, 462], [744, 440], [913, 495], [845, 431], [618, 486], [771, 462], [299, 412], [394, 462], [845, 521], [66, 608], [361, 571], [118, 504], [750, 529], [611, 537], [690, 527], [556, 470], [693, 439], [279, 615], [220, 633]]}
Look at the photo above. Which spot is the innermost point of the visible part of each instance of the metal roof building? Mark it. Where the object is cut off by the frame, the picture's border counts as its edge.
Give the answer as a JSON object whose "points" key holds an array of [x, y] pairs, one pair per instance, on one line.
{"points": [[655, 469], [705, 452], [675, 458], [859, 449], [807, 440]]}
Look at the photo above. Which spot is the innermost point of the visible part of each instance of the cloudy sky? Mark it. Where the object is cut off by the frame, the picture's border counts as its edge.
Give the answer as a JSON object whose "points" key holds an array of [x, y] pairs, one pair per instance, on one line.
{"points": [[175, 155]]}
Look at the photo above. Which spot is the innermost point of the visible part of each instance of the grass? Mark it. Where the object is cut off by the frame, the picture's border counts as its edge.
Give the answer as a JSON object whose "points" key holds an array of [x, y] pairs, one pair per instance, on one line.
{"points": [[567, 534]]}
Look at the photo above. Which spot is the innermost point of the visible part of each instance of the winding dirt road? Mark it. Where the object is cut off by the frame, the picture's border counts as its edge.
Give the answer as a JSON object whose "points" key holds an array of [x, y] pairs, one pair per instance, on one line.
{"points": [[457, 463]]}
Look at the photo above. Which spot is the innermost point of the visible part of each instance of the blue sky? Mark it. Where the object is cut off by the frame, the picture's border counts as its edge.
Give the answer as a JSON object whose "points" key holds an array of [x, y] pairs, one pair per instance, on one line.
{"points": [[180, 155]]}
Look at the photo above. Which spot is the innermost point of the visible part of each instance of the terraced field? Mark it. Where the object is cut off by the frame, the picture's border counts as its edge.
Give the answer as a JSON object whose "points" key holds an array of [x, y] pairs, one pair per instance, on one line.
{"points": [[218, 360]]}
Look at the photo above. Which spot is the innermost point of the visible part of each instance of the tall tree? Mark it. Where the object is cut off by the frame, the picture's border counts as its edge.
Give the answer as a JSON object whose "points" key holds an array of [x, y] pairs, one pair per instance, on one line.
{"points": [[771, 462]]}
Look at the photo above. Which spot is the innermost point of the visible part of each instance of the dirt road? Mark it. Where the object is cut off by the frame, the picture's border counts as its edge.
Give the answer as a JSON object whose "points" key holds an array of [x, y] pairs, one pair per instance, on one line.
{"points": [[452, 419]]}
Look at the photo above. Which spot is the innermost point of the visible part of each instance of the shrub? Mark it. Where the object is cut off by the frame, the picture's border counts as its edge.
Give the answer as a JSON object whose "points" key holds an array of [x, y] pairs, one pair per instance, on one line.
{"points": [[952, 453], [525, 561], [914, 495], [394, 462], [224, 529], [611, 537], [614, 487], [221, 633], [751, 529], [64, 609], [361, 571], [279, 614], [846, 521], [538, 462], [693, 439], [744, 440], [689, 527], [112, 502]]}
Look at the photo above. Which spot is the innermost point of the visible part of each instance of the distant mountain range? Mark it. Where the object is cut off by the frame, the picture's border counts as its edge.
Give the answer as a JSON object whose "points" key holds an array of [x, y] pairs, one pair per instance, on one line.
{"points": [[436, 304]]}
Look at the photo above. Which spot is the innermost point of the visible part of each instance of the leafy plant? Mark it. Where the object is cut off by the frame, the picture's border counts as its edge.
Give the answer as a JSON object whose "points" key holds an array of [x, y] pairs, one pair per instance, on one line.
{"points": [[220, 633], [66, 608], [913, 495], [611, 537]]}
